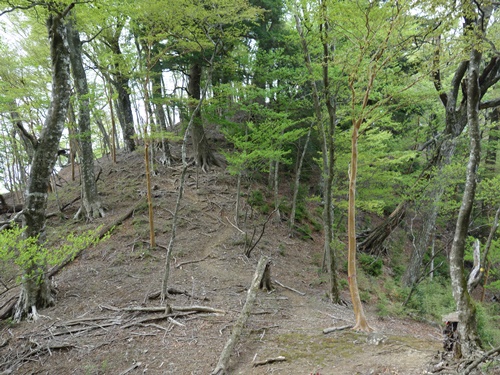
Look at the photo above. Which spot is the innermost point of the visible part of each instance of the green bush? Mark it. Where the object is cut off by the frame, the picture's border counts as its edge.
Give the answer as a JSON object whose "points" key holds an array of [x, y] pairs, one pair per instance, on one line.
{"points": [[488, 324], [370, 265], [432, 298]]}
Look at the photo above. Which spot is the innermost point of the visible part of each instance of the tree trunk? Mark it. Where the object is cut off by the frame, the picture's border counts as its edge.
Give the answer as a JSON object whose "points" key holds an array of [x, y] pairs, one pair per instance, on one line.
{"points": [[359, 314], [493, 137], [296, 185], [104, 133], [373, 241], [124, 105], [430, 214], [329, 158], [161, 118], [468, 337], [204, 156], [36, 291], [327, 133], [91, 205]]}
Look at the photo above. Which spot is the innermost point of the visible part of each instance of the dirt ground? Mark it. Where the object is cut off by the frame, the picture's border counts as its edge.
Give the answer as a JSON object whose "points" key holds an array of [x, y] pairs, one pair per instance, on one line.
{"points": [[89, 330]]}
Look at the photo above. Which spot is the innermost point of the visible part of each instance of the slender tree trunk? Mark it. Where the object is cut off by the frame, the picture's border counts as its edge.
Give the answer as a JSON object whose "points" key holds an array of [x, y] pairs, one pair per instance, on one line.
{"points": [[296, 185], [91, 205], [124, 105], [160, 116], [429, 216], [329, 152], [203, 154], [327, 168], [104, 133], [359, 314], [36, 291], [493, 137], [469, 340]]}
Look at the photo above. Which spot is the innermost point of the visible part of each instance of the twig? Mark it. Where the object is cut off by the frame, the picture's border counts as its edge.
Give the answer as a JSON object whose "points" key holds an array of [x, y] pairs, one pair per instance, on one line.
{"points": [[229, 221], [191, 261], [252, 246], [333, 329], [269, 360], [289, 288], [133, 367]]}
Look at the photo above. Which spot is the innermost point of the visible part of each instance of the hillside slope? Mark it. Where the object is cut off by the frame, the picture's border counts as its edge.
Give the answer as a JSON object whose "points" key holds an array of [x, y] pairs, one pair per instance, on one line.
{"points": [[89, 331]]}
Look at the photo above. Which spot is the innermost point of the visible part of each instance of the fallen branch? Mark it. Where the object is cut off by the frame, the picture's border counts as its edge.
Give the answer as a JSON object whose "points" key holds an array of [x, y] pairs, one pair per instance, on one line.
{"points": [[221, 367], [333, 329], [191, 262], [289, 288], [269, 360], [480, 360], [133, 367], [235, 226], [155, 318], [193, 308], [157, 294]]}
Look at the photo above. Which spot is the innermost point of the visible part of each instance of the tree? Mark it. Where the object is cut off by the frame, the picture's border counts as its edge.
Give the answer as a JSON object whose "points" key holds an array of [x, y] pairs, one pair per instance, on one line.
{"points": [[36, 291], [476, 17], [91, 206], [326, 130]]}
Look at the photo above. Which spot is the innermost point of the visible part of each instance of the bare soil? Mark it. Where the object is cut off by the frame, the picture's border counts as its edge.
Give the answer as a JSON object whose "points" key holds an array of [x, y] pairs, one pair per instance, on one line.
{"points": [[87, 332]]}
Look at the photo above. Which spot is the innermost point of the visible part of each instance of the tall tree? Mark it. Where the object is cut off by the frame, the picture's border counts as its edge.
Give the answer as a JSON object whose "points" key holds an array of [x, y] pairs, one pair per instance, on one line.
{"points": [[326, 130], [36, 290], [476, 16], [113, 64], [91, 206]]}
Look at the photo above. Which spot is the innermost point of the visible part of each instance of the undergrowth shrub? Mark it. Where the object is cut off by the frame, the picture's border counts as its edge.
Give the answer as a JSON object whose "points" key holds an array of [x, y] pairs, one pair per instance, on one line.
{"points": [[370, 265], [488, 324], [432, 298], [26, 252]]}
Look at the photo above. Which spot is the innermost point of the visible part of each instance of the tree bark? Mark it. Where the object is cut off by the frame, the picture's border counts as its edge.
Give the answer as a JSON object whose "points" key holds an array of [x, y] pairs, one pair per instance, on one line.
{"points": [[327, 167], [121, 83], [91, 205], [160, 115], [36, 291], [204, 156], [359, 314], [493, 137], [468, 337]]}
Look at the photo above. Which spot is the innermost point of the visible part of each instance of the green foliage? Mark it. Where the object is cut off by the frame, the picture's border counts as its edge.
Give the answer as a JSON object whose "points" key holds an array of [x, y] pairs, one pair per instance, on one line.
{"points": [[488, 323], [432, 298], [370, 265], [257, 201], [27, 252]]}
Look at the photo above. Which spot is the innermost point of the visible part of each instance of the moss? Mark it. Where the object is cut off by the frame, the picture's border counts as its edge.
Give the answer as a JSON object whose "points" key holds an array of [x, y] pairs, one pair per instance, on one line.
{"points": [[316, 349]]}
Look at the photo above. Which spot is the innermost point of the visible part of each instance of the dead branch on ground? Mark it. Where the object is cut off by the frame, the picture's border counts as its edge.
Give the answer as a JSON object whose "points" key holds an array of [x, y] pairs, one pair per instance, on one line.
{"points": [[194, 308], [191, 262], [223, 362], [289, 288], [333, 329], [486, 356], [269, 360]]}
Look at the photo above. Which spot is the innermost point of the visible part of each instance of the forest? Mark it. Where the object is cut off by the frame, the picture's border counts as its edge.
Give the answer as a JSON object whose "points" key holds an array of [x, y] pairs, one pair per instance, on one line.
{"points": [[369, 129]]}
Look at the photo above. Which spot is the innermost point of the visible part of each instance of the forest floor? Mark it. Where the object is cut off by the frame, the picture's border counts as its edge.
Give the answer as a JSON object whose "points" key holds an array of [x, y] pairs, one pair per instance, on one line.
{"points": [[88, 331]]}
